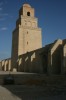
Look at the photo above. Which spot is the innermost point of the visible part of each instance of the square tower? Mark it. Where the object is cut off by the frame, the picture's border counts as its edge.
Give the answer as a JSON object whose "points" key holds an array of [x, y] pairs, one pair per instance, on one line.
{"points": [[27, 35]]}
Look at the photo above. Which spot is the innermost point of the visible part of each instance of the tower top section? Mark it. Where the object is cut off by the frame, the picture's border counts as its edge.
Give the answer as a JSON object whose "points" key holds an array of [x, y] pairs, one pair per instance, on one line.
{"points": [[26, 11], [26, 5]]}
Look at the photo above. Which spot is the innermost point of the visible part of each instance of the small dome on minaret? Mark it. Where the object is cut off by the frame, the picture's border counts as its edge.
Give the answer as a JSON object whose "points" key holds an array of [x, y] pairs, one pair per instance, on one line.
{"points": [[26, 5]]}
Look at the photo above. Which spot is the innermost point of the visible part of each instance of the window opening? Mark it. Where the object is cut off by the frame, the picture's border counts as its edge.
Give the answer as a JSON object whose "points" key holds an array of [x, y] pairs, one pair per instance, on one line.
{"points": [[28, 13]]}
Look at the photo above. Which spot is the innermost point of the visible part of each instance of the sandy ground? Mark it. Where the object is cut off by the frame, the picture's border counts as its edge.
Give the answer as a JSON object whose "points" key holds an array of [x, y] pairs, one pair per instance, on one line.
{"points": [[19, 92]]}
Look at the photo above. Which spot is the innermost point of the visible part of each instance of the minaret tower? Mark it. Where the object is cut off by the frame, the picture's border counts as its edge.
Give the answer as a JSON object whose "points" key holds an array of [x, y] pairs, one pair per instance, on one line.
{"points": [[27, 35]]}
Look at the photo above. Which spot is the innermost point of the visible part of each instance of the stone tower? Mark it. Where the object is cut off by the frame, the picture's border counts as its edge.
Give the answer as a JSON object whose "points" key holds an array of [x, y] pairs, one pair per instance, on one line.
{"points": [[27, 35]]}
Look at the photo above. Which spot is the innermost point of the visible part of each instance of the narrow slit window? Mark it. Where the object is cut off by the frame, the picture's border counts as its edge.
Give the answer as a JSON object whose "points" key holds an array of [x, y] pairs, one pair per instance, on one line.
{"points": [[27, 43], [27, 32]]}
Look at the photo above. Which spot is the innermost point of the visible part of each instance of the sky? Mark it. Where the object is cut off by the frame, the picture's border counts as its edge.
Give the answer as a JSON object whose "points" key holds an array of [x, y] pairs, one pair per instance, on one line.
{"points": [[51, 16]]}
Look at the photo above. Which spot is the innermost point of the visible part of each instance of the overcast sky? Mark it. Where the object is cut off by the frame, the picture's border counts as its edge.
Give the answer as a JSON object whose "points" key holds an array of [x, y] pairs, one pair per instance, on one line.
{"points": [[51, 16]]}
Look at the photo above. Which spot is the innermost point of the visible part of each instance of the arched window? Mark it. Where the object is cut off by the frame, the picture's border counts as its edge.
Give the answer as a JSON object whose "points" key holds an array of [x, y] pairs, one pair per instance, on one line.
{"points": [[28, 13]]}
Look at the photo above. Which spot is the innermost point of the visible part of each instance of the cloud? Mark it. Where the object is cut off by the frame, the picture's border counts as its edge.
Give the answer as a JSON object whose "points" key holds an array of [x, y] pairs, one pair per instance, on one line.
{"points": [[3, 28], [4, 55], [1, 9], [3, 16]]}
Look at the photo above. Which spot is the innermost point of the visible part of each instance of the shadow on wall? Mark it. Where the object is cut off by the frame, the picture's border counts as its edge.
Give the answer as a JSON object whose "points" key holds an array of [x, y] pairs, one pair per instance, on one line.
{"points": [[64, 65], [57, 61], [37, 61], [30, 62], [45, 62], [3, 68]]}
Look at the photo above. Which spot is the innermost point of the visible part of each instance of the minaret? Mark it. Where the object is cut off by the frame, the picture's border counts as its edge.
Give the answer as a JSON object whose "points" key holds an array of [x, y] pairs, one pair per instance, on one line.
{"points": [[27, 35]]}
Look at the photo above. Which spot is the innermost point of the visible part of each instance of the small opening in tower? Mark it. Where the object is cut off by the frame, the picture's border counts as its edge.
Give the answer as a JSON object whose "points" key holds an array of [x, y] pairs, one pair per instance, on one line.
{"points": [[27, 43], [27, 32], [28, 13]]}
